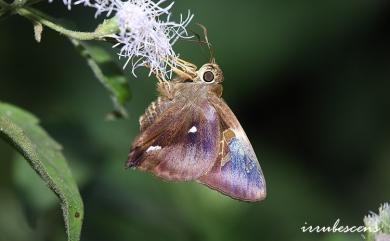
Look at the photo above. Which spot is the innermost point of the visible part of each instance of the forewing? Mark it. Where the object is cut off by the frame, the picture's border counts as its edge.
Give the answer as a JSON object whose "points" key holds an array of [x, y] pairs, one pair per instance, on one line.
{"points": [[237, 172], [181, 144]]}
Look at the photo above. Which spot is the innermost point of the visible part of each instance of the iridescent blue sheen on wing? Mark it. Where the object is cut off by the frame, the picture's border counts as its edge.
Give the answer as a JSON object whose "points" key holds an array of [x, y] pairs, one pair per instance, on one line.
{"points": [[241, 167], [241, 176]]}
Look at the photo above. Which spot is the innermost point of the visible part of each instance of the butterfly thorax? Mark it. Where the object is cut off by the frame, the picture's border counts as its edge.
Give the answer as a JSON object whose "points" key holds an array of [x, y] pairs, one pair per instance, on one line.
{"points": [[185, 94]]}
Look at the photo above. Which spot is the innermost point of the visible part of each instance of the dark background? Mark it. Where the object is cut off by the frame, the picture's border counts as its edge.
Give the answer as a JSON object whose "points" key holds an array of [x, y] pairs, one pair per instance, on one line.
{"points": [[309, 81]]}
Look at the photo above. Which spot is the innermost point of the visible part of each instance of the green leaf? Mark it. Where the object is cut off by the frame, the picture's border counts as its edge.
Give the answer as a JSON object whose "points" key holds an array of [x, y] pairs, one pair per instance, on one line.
{"points": [[108, 73], [22, 131], [29, 184]]}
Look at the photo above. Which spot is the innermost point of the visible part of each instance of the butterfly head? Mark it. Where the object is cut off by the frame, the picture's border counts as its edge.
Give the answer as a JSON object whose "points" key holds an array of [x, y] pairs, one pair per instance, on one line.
{"points": [[209, 73]]}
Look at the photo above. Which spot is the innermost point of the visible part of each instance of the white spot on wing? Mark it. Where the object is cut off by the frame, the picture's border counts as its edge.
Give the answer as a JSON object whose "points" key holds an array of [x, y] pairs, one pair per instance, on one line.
{"points": [[153, 148], [193, 129]]}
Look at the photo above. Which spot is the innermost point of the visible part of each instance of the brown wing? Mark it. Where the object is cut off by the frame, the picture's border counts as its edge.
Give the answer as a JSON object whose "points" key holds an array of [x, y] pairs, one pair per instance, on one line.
{"points": [[180, 143], [153, 111], [237, 172]]}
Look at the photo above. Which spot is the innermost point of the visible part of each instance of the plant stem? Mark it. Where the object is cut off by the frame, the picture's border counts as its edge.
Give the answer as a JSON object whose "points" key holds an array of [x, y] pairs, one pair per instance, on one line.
{"points": [[19, 3], [105, 29], [8, 9]]}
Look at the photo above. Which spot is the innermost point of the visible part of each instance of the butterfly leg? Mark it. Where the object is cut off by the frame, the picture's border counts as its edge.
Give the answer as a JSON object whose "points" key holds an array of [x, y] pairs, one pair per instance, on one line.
{"points": [[187, 66], [182, 68]]}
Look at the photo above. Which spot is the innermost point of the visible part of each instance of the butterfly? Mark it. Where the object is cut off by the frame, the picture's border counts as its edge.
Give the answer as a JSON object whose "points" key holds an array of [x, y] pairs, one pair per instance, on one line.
{"points": [[190, 134]]}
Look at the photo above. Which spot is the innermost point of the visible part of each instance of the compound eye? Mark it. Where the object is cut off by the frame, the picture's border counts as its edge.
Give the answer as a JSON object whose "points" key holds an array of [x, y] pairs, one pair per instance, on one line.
{"points": [[208, 76]]}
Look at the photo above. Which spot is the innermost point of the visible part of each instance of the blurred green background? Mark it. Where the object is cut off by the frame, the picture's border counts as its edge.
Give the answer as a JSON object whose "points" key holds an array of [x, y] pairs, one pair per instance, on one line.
{"points": [[309, 81]]}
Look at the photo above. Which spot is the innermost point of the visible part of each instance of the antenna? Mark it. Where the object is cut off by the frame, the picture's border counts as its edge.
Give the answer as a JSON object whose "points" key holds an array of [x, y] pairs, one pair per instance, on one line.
{"points": [[210, 47], [206, 42]]}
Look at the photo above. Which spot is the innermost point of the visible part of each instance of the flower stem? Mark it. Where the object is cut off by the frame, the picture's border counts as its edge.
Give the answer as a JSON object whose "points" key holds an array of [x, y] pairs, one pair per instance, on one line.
{"points": [[8, 9], [19, 3], [105, 29]]}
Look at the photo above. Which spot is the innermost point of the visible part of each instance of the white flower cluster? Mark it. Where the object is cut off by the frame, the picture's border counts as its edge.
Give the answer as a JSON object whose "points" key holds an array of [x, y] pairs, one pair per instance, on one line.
{"points": [[146, 33], [379, 222]]}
